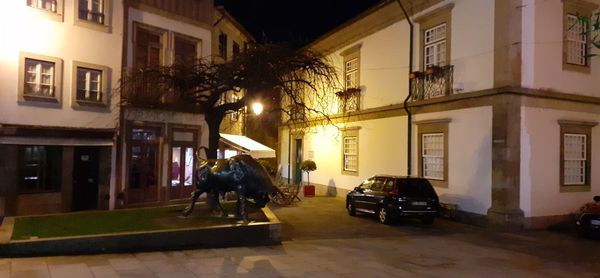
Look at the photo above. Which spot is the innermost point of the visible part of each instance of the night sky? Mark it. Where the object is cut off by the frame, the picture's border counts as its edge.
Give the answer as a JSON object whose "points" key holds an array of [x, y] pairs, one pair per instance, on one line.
{"points": [[294, 21]]}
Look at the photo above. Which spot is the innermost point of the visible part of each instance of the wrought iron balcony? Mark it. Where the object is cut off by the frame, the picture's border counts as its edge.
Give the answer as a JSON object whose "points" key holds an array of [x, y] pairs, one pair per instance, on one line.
{"points": [[433, 82]]}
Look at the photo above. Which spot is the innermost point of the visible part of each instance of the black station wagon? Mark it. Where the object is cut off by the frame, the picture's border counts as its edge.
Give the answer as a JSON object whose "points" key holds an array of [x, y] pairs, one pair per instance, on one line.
{"points": [[392, 197]]}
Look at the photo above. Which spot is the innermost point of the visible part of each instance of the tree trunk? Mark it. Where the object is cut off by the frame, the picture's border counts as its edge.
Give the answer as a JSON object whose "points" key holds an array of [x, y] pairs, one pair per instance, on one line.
{"points": [[214, 124]]}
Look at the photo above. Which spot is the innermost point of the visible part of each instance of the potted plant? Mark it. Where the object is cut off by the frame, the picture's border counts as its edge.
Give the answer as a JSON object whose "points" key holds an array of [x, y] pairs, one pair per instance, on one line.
{"points": [[308, 166]]}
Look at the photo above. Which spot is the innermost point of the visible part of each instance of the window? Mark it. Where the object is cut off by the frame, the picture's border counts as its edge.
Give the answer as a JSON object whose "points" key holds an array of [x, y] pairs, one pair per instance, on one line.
{"points": [[185, 49], [148, 47], [90, 83], [433, 155], [576, 29], [47, 5], [350, 151], [223, 46], [433, 150], [236, 49], [351, 73], [297, 112], [91, 10], [236, 114], [435, 29], [349, 99], [40, 169], [435, 46], [575, 158], [40, 78]]}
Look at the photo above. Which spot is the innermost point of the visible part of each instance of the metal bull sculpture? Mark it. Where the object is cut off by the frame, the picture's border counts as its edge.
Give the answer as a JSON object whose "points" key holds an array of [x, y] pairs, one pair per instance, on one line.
{"points": [[241, 174]]}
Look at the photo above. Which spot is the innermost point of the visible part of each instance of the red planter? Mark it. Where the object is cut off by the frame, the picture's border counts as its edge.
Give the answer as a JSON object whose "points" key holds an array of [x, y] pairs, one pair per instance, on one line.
{"points": [[309, 191]]}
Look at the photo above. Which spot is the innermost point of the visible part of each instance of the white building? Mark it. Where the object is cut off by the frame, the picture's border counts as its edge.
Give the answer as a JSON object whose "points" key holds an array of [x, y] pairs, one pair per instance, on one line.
{"points": [[505, 106], [59, 65], [66, 142]]}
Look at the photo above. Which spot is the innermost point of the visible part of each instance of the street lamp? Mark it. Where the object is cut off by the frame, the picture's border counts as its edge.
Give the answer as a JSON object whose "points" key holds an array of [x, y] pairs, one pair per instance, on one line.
{"points": [[257, 108]]}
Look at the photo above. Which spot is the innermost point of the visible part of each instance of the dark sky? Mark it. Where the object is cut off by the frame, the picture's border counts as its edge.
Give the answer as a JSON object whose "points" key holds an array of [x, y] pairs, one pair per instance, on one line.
{"points": [[295, 21]]}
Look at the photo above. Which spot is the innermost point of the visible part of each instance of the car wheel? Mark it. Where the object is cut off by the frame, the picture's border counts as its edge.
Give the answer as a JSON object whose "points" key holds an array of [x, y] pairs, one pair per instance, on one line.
{"points": [[427, 220], [350, 207], [384, 216]]}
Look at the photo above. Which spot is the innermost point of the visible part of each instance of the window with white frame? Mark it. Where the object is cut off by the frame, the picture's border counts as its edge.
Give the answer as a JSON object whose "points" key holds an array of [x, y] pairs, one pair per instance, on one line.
{"points": [[89, 85], [350, 153], [435, 46], [39, 78], [575, 159], [577, 36], [433, 155], [92, 10], [351, 73], [47, 5], [236, 114]]}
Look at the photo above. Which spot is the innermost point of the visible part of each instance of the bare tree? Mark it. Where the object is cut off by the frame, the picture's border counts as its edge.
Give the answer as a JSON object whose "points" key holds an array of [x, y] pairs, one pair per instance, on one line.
{"points": [[302, 79]]}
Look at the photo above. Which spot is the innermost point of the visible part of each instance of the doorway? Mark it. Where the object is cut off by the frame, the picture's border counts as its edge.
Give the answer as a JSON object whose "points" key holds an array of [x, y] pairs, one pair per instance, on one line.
{"points": [[143, 155], [85, 178], [182, 162], [297, 160]]}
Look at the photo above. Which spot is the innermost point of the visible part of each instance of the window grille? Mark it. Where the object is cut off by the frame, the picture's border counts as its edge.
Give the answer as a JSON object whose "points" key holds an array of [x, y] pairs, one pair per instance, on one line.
{"points": [[575, 156], [576, 40], [351, 153], [433, 155], [352, 73]]}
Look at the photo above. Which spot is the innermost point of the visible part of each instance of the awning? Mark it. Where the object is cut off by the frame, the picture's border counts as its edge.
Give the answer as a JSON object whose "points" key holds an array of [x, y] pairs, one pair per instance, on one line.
{"points": [[55, 141], [247, 145]]}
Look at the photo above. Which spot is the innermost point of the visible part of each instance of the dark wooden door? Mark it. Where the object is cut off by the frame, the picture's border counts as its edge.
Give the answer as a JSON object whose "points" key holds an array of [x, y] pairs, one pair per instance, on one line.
{"points": [[85, 178], [143, 173], [297, 162], [143, 157]]}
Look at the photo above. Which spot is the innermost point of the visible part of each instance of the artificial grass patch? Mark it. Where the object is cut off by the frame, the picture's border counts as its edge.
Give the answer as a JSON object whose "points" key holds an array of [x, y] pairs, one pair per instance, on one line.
{"points": [[129, 220]]}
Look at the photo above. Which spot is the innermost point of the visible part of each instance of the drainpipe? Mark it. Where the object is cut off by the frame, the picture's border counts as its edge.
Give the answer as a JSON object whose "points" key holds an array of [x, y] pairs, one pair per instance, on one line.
{"points": [[410, 70]]}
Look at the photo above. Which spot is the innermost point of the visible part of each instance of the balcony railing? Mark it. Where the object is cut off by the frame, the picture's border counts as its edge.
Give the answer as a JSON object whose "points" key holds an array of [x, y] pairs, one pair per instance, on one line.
{"points": [[431, 83]]}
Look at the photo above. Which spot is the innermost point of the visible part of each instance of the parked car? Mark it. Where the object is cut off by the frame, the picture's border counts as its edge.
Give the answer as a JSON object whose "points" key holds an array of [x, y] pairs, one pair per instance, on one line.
{"points": [[392, 197], [588, 219]]}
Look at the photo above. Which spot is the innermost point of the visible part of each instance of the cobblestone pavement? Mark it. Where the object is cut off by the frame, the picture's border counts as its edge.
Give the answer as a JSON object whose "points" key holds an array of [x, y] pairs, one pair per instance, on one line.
{"points": [[321, 240]]}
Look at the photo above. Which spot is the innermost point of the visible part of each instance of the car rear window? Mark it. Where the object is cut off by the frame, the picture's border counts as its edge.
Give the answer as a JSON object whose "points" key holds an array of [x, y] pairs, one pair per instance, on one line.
{"points": [[415, 188]]}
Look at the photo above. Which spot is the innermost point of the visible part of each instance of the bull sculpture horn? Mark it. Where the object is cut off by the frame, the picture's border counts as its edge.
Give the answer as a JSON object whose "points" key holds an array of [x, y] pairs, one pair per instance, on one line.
{"points": [[199, 157]]}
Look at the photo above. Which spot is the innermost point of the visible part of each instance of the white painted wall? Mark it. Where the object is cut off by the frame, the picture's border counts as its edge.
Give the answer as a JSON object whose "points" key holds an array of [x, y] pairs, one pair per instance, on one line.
{"points": [[382, 150], [542, 52], [469, 157], [384, 55], [472, 43], [540, 162], [26, 29]]}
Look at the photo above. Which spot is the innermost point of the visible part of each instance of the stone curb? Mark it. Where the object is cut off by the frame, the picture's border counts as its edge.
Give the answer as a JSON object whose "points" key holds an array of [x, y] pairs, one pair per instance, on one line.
{"points": [[251, 234]]}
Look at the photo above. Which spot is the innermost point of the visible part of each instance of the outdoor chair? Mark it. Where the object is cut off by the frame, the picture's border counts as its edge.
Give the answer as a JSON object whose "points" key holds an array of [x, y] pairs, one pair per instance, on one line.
{"points": [[287, 194]]}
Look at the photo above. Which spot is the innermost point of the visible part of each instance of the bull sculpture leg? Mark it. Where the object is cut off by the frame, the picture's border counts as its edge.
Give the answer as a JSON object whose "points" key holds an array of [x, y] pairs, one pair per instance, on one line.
{"points": [[186, 212], [241, 203]]}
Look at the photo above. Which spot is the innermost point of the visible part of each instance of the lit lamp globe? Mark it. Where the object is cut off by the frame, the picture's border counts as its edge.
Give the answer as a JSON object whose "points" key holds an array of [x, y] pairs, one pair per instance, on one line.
{"points": [[257, 107]]}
